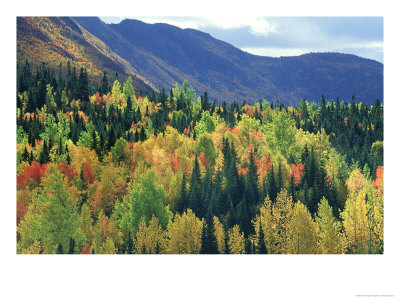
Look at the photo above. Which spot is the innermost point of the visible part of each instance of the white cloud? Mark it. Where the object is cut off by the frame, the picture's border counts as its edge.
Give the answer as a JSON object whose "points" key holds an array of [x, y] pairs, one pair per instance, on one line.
{"points": [[258, 25], [283, 36], [275, 52]]}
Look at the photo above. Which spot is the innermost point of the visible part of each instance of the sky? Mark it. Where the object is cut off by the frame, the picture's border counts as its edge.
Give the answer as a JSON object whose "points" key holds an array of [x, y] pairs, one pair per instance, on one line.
{"points": [[287, 36]]}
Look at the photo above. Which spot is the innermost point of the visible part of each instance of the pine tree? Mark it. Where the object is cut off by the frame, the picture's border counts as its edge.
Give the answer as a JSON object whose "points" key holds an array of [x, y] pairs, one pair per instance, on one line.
{"points": [[272, 189], [31, 158], [111, 138], [60, 249], [280, 185], [292, 188], [181, 201], [209, 242], [25, 155], [252, 182], [248, 247], [83, 85], [104, 87], [195, 201], [68, 157], [261, 247], [71, 246], [44, 154]]}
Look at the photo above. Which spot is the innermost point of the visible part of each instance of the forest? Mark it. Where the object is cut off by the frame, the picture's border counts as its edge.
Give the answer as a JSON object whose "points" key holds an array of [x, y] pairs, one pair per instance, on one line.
{"points": [[105, 169]]}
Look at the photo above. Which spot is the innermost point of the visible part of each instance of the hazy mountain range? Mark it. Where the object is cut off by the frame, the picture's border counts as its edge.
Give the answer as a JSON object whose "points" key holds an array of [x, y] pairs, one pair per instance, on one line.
{"points": [[160, 55]]}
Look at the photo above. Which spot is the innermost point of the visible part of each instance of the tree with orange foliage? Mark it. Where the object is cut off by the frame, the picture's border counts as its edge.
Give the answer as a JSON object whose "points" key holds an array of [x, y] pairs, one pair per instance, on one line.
{"points": [[32, 175], [174, 161], [297, 172], [67, 170], [87, 173], [263, 165]]}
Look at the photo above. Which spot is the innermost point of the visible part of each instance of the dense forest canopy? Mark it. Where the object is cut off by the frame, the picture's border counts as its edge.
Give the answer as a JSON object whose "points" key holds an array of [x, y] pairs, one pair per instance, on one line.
{"points": [[104, 169]]}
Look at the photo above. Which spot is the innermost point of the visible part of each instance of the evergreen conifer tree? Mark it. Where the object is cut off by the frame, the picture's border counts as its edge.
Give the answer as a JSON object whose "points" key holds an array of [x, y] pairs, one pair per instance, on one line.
{"points": [[272, 189], [261, 247]]}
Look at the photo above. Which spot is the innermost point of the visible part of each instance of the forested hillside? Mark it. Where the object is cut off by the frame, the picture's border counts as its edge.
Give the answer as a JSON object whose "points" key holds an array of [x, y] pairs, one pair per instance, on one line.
{"points": [[103, 169], [60, 42], [165, 54]]}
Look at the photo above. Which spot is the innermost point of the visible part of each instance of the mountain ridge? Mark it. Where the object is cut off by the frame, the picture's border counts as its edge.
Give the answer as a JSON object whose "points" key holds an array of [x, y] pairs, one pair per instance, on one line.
{"points": [[165, 54], [55, 40], [161, 55]]}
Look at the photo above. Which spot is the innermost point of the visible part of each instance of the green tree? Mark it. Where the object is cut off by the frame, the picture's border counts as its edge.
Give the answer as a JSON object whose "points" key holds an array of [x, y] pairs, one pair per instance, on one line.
{"points": [[57, 222], [128, 89], [118, 150], [145, 200], [281, 134], [206, 124]]}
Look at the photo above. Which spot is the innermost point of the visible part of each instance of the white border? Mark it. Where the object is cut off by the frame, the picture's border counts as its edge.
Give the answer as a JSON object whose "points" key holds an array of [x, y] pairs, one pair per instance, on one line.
{"points": [[198, 277]]}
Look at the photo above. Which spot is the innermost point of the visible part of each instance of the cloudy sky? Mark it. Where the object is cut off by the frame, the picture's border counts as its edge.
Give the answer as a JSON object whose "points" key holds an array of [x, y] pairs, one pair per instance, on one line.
{"points": [[285, 36]]}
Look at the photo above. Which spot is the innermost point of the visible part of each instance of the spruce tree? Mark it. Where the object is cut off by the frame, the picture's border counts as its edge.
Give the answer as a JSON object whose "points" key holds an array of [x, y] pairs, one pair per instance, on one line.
{"points": [[31, 158], [261, 247], [181, 201], [280, 185], [292, 188], [83, 85], [44, 154], [195, 201], [248, 247], [208, 240], [111, 138], [104, 87], [71, 246], [25, 155], [272, 189], [60, 249], [253, 195]]}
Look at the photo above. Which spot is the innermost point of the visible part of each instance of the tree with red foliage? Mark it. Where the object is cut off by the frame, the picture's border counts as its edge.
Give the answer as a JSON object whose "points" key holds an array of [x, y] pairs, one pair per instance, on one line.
{"points": [[22, 209], [32, 175], [263, 165], [87, 173], [174, 161], [203, 159], [67, 170], [297, 172], [378, 181], [87, 249]]}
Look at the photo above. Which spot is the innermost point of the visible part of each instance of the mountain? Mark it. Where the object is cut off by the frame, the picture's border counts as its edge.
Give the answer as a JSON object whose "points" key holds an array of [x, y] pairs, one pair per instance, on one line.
{"points": [[165, 54], [55, 40]]}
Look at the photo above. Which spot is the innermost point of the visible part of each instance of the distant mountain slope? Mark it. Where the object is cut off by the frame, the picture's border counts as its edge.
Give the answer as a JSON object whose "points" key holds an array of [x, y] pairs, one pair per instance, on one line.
{"points": [[166, 54], [59, 40]]}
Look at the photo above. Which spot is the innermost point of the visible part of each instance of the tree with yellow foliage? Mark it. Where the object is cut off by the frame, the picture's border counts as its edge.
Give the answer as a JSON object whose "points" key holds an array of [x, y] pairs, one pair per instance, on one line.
{"points": [[236, 240], [302, 235], [281, 215], [266, 220], [184, 234], [35, 248], [87, 223], [219, 235], [329, 229], [106, 235], [150, 238], [356, 181], [355, 223]]}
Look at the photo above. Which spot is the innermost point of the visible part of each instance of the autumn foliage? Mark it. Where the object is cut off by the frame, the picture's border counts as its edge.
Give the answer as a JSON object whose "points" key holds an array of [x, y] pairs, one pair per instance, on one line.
{"points": [[164, 173], [297, 172], [32, 175]]}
